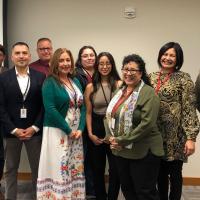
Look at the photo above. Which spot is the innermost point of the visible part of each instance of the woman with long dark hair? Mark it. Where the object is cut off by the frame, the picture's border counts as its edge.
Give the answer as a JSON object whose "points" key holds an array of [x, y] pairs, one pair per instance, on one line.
{"points": [[97, 96], [85, 67]]}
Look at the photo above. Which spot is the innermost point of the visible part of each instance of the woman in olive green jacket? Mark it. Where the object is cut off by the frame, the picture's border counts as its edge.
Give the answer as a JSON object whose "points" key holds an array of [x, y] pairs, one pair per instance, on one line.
{"points": [[133, 134]]}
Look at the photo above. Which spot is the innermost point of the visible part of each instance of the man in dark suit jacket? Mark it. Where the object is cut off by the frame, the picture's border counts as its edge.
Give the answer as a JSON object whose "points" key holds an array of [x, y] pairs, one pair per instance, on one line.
{"points": [[21, 114]]}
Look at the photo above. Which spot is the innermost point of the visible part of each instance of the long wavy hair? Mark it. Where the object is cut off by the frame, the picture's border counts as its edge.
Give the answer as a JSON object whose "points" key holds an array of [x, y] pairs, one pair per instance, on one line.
{"points": [[112, 77]]}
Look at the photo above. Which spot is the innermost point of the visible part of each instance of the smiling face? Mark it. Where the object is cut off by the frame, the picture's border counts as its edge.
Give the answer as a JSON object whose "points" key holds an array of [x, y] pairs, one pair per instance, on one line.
{"points": [[131, 74], [88, 58], [168, 59], [44, 50], [20, 56], [104, 66], [64, 64]]}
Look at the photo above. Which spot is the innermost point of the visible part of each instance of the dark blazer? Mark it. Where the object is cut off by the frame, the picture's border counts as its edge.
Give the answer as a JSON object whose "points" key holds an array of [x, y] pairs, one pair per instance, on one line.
{"points": [[81, 76], [11, 101]]}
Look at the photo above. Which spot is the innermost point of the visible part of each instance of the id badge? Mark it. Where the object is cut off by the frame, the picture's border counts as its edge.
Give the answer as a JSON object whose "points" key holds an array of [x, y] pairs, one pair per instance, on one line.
{"points": [[23, 113], [113, 123], [76, 120]]}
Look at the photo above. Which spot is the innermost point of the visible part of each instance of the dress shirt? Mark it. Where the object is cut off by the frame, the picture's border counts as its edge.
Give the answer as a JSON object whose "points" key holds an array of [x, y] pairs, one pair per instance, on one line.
{"points": [[24, 84]]}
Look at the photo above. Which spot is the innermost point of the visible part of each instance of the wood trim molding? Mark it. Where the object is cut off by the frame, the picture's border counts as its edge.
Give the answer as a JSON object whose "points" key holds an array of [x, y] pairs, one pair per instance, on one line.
{"points": [[186, 180], [191, 181]]}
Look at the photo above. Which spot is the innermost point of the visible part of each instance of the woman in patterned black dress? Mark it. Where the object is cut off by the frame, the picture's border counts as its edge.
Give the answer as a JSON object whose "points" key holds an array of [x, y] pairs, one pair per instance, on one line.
{"points": [[178, 121]]}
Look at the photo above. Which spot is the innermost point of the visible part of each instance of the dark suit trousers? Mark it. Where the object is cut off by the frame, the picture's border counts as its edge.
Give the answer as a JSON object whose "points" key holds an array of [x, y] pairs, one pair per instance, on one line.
{"points": [[13, 148], [170, 174], [138, 177]]}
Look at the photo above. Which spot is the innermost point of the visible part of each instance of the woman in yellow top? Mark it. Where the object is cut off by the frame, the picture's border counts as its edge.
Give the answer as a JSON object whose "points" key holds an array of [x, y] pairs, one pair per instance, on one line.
{"points": [[177, 121]]}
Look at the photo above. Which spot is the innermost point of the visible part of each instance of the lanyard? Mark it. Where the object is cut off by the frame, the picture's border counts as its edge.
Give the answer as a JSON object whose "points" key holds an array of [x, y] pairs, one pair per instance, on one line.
{"points": [[89, 77], [73, 92], [26, 91], [105, 94], [161, 83]]}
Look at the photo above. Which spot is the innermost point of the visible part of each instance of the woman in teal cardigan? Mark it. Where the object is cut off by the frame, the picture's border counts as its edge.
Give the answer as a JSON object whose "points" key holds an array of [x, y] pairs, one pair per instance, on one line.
{"points": [[61, 171]]}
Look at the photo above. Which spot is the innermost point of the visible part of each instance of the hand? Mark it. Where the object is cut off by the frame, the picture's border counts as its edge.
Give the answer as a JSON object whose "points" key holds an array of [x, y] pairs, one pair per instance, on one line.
{"points": [[116, 147], [111, 139], [19, 133], [28, 133], [95, 139], [114, 144], [72, 134], [75, 134], [78, 134], [106, 140], [189, 147]]}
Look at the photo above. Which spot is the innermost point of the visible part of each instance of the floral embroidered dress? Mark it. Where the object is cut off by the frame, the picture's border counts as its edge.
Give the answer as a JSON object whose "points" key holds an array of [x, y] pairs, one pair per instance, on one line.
{"points": [[61, 170], [177, 118]]}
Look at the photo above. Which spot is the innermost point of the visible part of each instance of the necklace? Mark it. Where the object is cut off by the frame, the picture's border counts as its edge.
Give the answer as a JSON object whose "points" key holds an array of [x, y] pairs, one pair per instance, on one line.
{"points": [[89, 76], [107, 101]]}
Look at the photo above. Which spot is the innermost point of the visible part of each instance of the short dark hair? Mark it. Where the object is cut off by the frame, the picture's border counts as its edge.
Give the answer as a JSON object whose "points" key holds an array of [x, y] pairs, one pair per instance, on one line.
{"points": [[179, 54], [2, 49], [21, 44], [78, 61], [43, 39], [141, 65]]}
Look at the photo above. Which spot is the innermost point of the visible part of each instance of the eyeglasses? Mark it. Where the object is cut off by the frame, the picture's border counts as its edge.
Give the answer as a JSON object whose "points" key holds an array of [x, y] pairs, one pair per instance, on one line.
{"points": [[45, 49], [88, 55], [131, 71], [105, 64]]}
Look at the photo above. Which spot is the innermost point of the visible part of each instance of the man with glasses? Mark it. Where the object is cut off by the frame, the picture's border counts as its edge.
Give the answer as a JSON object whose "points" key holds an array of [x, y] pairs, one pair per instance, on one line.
{"points": [[44, 51]]}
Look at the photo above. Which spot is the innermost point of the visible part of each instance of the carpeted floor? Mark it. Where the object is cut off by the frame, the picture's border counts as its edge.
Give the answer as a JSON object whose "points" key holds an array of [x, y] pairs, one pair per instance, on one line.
{"points": [[24, 192]]}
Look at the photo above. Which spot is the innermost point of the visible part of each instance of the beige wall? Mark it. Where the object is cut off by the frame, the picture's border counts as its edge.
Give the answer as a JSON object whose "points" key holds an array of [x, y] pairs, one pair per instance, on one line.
{"points": [[74, 23]]}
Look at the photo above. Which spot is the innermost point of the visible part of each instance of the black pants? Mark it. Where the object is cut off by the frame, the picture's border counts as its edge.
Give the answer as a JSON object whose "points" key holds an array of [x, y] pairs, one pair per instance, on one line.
{"points": [[99, 154], [170, 174], [89, 180], [138, 177]]}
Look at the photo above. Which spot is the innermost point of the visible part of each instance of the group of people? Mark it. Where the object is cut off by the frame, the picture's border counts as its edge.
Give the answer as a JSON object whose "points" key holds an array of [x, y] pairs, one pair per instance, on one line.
{"points": [[71, 116]]}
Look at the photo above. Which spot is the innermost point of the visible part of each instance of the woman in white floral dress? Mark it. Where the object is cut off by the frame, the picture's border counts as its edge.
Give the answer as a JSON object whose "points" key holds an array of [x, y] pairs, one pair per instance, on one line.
{"points": [[61, 171]]}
